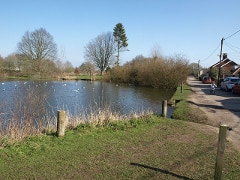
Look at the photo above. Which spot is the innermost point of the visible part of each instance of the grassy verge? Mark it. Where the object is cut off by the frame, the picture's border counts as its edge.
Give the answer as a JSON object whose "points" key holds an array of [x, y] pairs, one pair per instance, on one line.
{"points": [[184, 110], [147, 148]]}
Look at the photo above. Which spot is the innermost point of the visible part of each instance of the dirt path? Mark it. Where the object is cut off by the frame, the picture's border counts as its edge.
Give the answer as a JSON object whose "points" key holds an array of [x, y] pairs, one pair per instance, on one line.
{"points": [[222, 108]]}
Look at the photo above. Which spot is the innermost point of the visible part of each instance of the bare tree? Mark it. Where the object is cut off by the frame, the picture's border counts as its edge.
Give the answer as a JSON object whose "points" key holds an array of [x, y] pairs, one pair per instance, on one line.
{"points": [[138, 58], [37, 46], [100, 51], [156, 53], [48, 67], [87, 68], [59, 65], [24, 64], [68, 67], [10, 63], [1, 63]]}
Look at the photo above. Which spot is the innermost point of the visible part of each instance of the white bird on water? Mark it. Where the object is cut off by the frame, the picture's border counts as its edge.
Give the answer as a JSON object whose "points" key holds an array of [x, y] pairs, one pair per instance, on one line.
{"points": [[76, 90]]}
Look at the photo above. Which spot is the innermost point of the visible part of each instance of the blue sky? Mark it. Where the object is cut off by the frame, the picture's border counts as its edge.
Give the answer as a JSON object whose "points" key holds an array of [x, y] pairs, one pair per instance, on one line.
{"points": [[192, 28]]}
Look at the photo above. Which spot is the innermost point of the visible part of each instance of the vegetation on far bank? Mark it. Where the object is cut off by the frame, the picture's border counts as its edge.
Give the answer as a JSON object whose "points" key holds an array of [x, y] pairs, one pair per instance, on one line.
{"points": [[37, 55], [37, 58], [157, 72], [69, 76]]}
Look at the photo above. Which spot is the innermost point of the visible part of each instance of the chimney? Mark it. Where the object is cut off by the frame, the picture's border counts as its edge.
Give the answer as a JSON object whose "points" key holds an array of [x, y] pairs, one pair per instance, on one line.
{"points": [[224, 55]]}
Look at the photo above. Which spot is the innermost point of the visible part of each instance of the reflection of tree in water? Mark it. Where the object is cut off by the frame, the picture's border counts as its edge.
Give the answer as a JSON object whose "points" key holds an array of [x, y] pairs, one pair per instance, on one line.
{"points": [[54, 95], [155, 94], [128, 99]]}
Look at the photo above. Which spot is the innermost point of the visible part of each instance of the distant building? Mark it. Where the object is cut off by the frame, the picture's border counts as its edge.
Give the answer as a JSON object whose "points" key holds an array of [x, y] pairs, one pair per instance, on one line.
{"points": [[227, 67]]}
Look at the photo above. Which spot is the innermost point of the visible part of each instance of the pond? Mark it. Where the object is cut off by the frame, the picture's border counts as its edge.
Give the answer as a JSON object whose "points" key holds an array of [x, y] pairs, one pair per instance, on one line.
{"points": [[75, 95]]}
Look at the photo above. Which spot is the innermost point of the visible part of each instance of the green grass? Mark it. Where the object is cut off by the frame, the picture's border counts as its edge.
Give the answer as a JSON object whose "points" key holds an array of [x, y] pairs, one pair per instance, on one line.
{"points": [[87, 77], [147, 148], [178, 95], [183, 110]]}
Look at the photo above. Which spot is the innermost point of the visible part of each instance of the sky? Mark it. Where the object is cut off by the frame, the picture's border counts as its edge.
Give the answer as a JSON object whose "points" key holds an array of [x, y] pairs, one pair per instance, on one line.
{"points": [[190, 28]]}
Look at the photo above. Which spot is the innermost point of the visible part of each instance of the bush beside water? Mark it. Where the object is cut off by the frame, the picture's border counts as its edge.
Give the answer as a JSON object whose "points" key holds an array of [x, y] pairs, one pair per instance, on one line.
{"points": [[165, 73]]}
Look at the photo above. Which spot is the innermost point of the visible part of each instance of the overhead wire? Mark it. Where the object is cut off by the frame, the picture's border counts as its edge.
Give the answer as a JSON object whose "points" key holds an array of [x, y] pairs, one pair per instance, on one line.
{"points": [[211, 53], [235, 50], [220, 45], [232, 46], [232, 34]]}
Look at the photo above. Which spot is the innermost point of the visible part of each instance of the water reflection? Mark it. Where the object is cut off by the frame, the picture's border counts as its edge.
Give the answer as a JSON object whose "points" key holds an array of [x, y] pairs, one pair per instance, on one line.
{"points": [[76, 95]]}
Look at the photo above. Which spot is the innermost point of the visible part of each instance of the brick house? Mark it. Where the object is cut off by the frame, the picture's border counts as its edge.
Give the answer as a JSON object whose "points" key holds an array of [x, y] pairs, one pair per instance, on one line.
{"points": [[227, 67]]}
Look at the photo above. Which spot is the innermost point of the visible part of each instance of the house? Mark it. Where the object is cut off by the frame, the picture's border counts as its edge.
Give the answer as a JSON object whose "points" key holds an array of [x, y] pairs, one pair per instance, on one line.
{"points": [[227, 67]]}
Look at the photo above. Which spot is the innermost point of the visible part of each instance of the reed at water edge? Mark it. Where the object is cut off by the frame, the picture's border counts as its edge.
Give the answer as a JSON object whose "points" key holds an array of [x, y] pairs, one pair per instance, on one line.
{"points": [[30, 116]]}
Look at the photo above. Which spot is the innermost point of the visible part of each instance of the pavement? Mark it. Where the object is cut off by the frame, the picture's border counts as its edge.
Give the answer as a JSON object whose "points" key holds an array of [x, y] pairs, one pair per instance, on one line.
{"points": [[221, 108]]}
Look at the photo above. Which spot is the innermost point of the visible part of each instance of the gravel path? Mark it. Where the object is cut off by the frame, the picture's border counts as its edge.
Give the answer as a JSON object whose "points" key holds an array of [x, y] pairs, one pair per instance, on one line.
{"points": [[221, 108]]}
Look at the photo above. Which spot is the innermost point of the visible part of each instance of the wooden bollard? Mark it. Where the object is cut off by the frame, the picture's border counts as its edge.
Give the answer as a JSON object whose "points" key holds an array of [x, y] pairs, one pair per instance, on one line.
{"points": [[182, 87], [164, 108], [220, 151], [61, 122]]}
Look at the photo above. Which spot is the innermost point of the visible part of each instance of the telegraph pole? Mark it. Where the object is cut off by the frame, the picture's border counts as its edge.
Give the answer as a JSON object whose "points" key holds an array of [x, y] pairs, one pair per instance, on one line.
{"points": [[220, 60], [198, 69]]}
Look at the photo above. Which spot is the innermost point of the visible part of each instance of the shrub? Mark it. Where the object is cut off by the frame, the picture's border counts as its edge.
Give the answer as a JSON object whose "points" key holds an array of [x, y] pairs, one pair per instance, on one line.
{"points": [[154, 72]]}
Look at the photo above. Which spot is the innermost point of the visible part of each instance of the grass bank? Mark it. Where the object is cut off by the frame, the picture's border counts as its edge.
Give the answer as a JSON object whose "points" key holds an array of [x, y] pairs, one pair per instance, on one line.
{"points": [[83, 77], [147, 148], [183, 110], [56, 77], [150, 147]]}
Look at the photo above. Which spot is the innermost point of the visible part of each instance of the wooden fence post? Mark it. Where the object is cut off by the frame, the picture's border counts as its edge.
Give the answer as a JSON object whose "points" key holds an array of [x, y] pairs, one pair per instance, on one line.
{"points": [[181, 87], [220, 152], [61, 122], [164, 108]]}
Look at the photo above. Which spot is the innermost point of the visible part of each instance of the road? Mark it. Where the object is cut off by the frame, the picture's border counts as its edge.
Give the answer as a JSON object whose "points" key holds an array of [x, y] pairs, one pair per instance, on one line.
{"points": [[221, 108]]}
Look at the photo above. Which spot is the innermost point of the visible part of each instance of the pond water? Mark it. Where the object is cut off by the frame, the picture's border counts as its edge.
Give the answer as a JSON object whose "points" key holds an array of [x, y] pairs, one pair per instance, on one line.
{"points": [[75, 95]]}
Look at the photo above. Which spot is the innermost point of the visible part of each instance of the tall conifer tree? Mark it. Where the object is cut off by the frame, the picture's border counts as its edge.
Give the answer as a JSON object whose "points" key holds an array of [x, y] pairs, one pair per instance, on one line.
{"points": [[120, 38]]}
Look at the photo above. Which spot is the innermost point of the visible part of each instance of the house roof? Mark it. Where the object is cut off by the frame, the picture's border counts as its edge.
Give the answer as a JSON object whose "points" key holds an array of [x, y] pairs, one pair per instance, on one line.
{"points": [[236, 71], [224, 62]]}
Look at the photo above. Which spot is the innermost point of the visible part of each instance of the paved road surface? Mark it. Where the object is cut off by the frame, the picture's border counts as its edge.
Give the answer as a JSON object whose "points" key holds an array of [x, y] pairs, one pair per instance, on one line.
{"points": [[221, 108]]}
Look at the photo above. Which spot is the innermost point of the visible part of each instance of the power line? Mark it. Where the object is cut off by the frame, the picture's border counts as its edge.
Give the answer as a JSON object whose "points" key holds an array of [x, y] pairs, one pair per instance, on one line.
{"points": [[211, 53], [219, 45], [232, 34], [232, 47]]}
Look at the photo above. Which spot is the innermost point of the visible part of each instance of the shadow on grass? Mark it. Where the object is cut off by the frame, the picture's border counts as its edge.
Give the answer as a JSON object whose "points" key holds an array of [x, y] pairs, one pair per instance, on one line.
{"points": [[160, 170], [220, 107], [206, 105]]}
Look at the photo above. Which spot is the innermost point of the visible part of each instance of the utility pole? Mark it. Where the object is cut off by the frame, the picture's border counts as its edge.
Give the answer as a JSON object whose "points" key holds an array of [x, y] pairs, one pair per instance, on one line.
{"points": [[220, 60], [198, 69]]}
